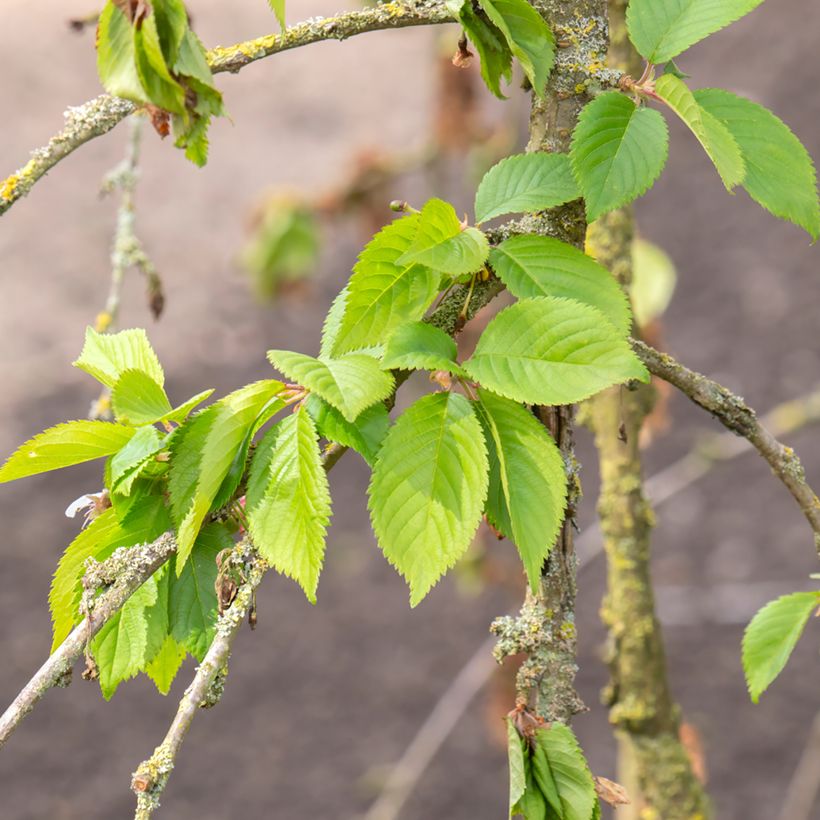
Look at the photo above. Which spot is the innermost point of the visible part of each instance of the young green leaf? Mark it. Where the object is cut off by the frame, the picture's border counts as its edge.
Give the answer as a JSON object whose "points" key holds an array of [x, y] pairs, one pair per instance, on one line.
{"points": [[288, 501], [561, 772], [428, 489], [138, 399], [712, 134], [166, 663], [444, 244], [531, 265], [180, 413], [771, 636], [525, 183], [653, 281], [618, 151], [106, 356], [515, 757], [552, 351], [278, 8], [780, 173], [528, 485], [495, 54], [192, 608], [186, 445], [351, 383], [154, 73], [381, 294], [128, 463], [116, 64], [65, 445], [662, 29], [528, 36], [420, 346], [365, 435]]}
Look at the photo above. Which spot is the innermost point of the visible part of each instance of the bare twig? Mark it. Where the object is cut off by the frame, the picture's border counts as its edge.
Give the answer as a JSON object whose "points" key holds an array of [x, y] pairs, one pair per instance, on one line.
{"points": [[100, 115], [805, 783], [738, 417], [131, 566]]}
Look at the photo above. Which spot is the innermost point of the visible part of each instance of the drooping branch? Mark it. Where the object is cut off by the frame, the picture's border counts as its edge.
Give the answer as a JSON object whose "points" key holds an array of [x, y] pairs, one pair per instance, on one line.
{"points": [[733, 412], [100, 115], [128, 568]]}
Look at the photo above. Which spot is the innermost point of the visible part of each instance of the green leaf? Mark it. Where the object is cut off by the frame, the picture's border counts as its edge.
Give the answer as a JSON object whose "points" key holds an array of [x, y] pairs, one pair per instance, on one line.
{"points": [[382, 294], [105, 356], [428, 488], [65, 445], [528, 36], [115, 55], [180, 413], [495, 54], [166, 663], [552, 351], [532, 266], [365, 435], [138, 399], [351, 383], [525, 183], [780, 173], [770, 638], [712, 134], [172, 23], [420, 346], [192, 606], [515, 756], [119, 648], [160, 86], [528, 485], [662, 29], [147, 520], [532, 805], [127, 464], [288, 501], [653, 281], [561, 772], [223, 455], [278, 8], [618, 151], [187, 445], [444, 244]]}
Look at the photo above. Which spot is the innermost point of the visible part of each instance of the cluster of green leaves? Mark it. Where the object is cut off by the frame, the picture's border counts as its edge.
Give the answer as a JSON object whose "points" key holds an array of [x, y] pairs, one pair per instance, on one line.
{"points": [[771, 637], [147, 53], [549, 776]]}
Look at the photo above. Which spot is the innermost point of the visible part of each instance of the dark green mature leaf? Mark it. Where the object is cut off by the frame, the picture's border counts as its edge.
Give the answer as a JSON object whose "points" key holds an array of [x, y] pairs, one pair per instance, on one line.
{"points": [[106, 356], [428, 489], [780, 173], [495, 54], [365, 435], [712, 134], [528, 36], [192, 606], [128, 463], [771, 636], [138, 399], [382, 293], [525, 183], [288, 501], [420, 346], [65, 445], [528, 486], [662, 29], [444, 244], [618, 151], [552, 351], [351, 383], [532, 266]]}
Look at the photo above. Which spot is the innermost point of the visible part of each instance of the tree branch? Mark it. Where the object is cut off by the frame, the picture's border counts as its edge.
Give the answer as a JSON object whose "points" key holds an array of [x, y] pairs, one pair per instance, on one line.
{"points": [[100, 115], [733, 412], [130, 567]]}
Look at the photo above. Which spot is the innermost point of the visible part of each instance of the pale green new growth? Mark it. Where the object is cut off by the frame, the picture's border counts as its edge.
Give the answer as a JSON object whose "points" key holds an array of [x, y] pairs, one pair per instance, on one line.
{"points": [[138, 399], [531, 265], [515, 757], [420, 346], [365, 435], [771, 637], [662, 29], [618, 151], [428, 489], [552, 351], [653, 281], [525, 183], [129, 462], [712, 134], [278, 8], [106, 356]]}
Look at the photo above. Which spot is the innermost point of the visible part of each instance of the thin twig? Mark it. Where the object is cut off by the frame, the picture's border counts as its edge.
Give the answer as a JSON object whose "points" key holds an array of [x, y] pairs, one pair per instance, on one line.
{"points": [[733, 412], [805, 783], [133, 566], [100, 115]]}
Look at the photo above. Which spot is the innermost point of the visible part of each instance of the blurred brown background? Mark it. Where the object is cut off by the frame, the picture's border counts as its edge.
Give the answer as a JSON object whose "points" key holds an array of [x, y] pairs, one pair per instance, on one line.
{"points": [[320, 699]]}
